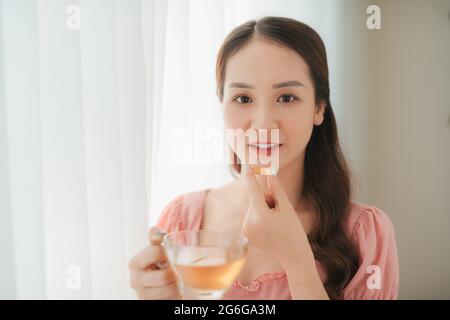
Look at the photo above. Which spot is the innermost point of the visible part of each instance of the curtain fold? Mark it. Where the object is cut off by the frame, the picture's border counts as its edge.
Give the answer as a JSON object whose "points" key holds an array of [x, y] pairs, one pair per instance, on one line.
{"points": [[154, 21], [22, 213]]}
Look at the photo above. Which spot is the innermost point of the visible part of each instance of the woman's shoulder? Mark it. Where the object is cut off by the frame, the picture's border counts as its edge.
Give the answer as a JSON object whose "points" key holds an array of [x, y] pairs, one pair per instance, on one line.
{"points": [[367, 217], [182, 211], [373, 234]]}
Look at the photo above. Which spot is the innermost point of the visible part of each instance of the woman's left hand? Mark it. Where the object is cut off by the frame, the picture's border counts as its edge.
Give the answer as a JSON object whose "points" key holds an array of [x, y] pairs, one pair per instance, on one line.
{"points": [[278, 230]]}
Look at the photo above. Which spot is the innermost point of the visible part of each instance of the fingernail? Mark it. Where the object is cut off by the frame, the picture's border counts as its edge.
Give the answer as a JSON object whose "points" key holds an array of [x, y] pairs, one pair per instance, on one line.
{"points": [[160, 233], [162, 264]]}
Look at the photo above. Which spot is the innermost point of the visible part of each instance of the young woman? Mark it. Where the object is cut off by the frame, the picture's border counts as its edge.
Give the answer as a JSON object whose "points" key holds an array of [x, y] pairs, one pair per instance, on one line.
{"points": [[316, 243]]}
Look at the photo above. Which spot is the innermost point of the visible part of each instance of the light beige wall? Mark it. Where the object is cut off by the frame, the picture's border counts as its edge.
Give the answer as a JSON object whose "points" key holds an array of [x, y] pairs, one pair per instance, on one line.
{"points": [[394, 120]]}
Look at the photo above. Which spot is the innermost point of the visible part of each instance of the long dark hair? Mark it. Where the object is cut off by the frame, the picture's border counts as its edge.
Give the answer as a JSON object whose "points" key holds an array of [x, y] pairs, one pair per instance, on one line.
{"points": [[327, 179]]}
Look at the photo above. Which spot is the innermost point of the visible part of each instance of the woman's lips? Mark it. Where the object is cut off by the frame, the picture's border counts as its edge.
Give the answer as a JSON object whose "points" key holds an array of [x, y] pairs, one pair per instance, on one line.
{"points": [[265, 151]]}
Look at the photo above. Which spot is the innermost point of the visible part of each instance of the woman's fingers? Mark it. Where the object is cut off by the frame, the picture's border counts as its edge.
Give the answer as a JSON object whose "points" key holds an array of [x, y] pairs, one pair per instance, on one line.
{"points": [[256, 195], [270, 200], [147, 257], [166, 292], [277, 191], [155, 235], [152, 278], [149, 280]]}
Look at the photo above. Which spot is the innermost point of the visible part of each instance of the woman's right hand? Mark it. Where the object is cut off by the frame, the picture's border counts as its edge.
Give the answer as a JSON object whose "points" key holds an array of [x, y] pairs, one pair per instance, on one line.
{"points": [[149, 281]]}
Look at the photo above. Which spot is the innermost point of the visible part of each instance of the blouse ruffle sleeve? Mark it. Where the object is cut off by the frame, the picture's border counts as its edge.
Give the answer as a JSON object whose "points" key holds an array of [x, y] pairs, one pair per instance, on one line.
{"points": [[170, 218], [378, 274]]}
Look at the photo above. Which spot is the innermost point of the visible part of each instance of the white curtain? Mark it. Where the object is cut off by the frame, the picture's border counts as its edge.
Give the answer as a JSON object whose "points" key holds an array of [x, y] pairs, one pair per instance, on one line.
{"points": [[87, 118]]}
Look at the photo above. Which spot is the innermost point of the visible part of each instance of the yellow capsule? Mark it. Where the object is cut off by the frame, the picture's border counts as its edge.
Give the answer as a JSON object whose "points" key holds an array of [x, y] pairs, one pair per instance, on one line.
{"points": [[264, 171]]}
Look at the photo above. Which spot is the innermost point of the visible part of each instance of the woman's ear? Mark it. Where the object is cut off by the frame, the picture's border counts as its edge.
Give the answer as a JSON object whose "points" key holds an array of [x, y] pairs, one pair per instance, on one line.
{"points": [[318, 115]]}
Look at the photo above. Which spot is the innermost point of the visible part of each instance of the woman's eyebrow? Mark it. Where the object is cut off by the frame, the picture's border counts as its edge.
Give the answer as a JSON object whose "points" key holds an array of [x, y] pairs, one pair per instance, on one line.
{"points": [[290, 83]]}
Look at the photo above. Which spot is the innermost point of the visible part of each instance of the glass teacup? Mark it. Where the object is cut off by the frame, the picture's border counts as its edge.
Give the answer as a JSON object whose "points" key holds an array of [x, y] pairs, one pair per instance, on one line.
{"points": [[205, 262]]}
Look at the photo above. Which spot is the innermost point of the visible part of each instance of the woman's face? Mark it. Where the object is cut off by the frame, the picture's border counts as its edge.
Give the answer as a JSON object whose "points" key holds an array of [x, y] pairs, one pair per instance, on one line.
{"points": [[268, 87]]}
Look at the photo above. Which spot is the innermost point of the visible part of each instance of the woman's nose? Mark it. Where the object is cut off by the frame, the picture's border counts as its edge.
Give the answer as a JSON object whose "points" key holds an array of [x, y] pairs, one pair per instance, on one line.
{"points": [[264, 118]]}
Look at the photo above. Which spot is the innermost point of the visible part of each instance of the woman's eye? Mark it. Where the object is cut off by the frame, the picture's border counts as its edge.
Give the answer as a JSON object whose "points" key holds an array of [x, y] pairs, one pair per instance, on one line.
{"points": [[288, 96], [242, 101]]}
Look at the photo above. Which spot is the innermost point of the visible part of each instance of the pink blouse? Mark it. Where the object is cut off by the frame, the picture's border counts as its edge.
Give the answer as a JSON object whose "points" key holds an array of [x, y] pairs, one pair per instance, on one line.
{"points": [[370, 229]]}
